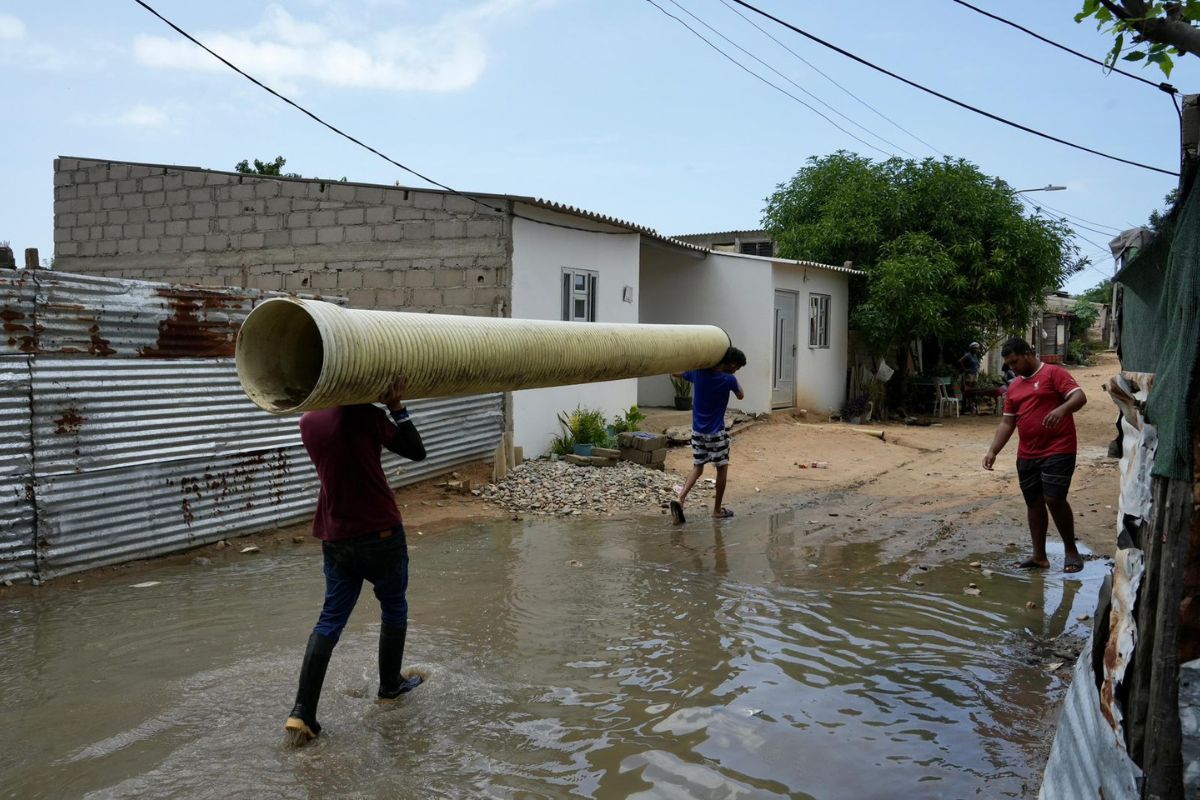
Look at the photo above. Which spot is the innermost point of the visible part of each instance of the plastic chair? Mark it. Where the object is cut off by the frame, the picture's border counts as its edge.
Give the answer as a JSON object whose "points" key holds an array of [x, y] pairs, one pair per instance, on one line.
{"points": [[945, 399]]}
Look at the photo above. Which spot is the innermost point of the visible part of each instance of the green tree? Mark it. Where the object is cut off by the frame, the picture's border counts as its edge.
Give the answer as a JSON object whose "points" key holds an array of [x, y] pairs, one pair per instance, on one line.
{"points": [[273, 168], [1156, 29], [946, 249], [1159, 218], [1100, 293]]}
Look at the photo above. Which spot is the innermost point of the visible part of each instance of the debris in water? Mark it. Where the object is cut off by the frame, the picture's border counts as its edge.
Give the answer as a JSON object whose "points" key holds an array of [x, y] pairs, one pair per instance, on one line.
{"points": [[1031, 605], [919, 583], [146, 584], [972, 590], [753, 712], [201, 561], [975, 564], [987, 573], [251, 549], [574, 563], [1054, 666], [1084, 617], [297, 540], [221, 545]]}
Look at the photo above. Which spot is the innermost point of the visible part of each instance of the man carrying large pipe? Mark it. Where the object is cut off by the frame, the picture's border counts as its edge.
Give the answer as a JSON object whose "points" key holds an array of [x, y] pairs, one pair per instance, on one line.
{"points": [[362, 538]]}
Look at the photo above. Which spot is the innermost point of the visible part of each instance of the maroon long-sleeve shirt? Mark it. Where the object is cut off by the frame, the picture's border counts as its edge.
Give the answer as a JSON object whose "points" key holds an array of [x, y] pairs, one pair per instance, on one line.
{"points": [[344, 444]]}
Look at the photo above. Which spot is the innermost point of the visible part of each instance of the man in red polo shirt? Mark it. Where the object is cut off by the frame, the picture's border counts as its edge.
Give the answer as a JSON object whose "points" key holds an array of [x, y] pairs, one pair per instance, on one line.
{"points": [[362, 538], [1039, 405]]}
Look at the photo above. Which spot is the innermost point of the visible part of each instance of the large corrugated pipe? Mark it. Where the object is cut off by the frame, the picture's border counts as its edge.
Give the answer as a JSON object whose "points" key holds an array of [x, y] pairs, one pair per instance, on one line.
{"points": [[298, 355]]}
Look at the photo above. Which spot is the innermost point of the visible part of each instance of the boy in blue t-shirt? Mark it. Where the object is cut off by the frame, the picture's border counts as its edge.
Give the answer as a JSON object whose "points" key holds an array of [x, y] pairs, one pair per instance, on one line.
{"points": [[710, 440]]}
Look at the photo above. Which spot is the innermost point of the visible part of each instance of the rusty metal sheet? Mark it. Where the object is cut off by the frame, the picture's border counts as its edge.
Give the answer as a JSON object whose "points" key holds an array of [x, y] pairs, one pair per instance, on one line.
{"points": [[93, 414], [1189, 718], [1087, 759], [119, 318], [1139, 444], [16, 468], [93, 517], [1122, 638], [17, 313]]}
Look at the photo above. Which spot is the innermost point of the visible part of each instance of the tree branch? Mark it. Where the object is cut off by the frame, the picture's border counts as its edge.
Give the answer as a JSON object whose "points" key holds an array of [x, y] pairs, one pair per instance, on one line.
{"points": [[1176, 33], [1117, 10]]}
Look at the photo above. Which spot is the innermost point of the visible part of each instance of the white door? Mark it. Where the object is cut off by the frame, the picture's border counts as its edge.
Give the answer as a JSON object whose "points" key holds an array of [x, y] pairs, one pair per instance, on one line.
{"points": [[783, 372]]}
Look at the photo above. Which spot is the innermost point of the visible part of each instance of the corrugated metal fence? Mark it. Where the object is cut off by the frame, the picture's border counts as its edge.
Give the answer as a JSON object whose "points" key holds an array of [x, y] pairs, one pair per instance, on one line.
{"points": [[124, 432]]}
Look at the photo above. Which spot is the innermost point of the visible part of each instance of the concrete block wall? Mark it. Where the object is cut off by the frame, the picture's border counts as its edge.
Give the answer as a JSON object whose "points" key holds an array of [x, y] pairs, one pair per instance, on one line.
{"points": [[380, 246]]}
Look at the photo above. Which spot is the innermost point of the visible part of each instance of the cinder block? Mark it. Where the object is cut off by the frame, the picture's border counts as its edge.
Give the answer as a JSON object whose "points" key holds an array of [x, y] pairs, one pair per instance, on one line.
{"points": [[579, 461], [458, 204], [271, 282], [176, 227], [463, 296], [362, 298], [243, 191], [416, 230], [377, 280], [320, 219], [644, 457], [192, 244], [139, 215], [251, 241], [348, 279], [358, 233], [341, 193], [324, 280], [417, 278], [154, 229], [448, 277], [368, 195], [152, 184], [170, 244], [351, 216], [393, 232], [266, 189], [202, 195], [293, 189], [276, 238], [606, 452], [198, 226], [209, 209], [427, 297], [177, 198], [598, 461], [303, 236], [449, 229], [641, 440], [160, 214], [331, 235], [147, 245], [484, 228], [428, 199], [193, 178], [216, 241], [390, 298], [106, 188], [296, 281]]}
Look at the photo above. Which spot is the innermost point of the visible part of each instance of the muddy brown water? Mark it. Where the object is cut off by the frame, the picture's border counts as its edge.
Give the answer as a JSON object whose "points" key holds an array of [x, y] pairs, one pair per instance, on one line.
{"points": [[582, 658]]}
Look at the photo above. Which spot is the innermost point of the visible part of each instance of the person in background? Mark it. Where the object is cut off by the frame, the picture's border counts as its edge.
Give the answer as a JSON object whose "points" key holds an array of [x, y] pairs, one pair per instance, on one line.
{"points": [[362, 538], [710, 440], [1039, 405]]}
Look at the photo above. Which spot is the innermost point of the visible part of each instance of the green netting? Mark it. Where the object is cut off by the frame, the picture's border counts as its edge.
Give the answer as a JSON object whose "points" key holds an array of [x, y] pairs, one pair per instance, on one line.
{"points": [[1160, 332]]}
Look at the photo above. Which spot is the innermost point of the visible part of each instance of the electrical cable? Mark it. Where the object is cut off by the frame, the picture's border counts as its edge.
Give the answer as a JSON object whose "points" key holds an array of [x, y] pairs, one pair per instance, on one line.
{"points": [[1164, 87], [817, 70], [865, 129], [776, 87], [948, 98]]}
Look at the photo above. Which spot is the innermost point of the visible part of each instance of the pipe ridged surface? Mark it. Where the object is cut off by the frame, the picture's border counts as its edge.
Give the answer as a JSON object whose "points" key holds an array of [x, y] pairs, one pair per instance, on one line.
{"points": [[299, 355]]}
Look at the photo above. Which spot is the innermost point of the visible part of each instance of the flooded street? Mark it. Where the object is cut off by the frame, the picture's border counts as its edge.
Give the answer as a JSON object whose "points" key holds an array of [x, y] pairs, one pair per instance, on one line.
{"points": [[585, 658]]}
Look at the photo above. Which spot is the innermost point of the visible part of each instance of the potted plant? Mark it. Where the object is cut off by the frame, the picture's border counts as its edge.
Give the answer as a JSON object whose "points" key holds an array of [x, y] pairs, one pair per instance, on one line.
{"points": [[583, 429], [631, 420], [683, 394]]}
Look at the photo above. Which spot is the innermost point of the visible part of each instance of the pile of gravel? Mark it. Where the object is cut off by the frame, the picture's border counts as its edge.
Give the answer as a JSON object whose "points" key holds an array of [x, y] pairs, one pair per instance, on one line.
{"points": [[562, 489]]}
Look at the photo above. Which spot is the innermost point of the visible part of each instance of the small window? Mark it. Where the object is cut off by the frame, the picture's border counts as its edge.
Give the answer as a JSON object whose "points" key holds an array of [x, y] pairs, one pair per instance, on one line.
{"points": [[758, 249], [818, 320], [578, 295]]}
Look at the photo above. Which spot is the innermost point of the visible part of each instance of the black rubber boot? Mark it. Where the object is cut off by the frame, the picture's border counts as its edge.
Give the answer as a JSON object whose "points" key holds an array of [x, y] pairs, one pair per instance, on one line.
{"points": [[391, 655], [302, 725]]}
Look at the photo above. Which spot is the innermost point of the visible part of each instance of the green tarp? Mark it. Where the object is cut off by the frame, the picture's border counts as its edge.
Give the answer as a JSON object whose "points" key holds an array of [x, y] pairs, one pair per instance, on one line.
{"points": [[1160, 332]]}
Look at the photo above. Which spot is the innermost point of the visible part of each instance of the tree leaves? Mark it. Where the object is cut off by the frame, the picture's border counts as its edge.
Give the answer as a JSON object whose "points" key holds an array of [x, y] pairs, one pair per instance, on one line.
{"points": [[947, 249]]}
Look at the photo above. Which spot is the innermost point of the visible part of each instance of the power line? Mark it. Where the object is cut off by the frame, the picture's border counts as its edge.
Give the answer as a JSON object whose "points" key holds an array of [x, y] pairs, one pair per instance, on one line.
{"points": [[1165, 87], [358, 142], [776, 87], [949, 99], [817, 70], [868, 131], [1113, 228]]}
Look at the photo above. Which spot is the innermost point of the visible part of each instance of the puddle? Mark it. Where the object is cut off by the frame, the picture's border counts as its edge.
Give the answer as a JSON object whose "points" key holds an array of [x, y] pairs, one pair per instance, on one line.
{"points": [[582, 658]]}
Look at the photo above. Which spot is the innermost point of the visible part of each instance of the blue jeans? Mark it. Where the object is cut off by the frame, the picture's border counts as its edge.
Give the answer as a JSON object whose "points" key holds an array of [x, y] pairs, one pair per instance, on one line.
{"points": [[381, 560]]}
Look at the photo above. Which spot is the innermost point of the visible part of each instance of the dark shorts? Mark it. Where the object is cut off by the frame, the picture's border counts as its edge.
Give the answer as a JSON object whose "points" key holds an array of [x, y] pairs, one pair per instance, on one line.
{"points": [[1045, 477], [710, 448]]}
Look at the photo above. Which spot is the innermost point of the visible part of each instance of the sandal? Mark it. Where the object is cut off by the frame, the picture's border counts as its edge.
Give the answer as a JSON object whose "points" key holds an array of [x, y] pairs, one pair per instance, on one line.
{"points": [[677, 512], [724, 513]]}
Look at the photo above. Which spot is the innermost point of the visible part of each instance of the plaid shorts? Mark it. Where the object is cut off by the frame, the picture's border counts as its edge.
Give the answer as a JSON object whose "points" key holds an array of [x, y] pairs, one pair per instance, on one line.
{"points": [[1045, 477], [710, 448]]}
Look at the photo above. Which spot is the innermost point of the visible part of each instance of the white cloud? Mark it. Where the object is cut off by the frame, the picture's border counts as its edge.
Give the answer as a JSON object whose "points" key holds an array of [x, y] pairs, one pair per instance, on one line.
{"points": [[11, 28], [141, 116], [447, 55]]}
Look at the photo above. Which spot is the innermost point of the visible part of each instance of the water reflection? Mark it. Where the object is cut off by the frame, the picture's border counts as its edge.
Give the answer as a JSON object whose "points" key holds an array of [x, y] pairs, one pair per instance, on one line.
{"points": [[590, 659]]}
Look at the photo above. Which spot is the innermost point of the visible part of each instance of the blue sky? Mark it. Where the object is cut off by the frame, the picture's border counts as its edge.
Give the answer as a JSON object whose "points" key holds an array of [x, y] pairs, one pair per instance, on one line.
{"points": [[606, 104]]}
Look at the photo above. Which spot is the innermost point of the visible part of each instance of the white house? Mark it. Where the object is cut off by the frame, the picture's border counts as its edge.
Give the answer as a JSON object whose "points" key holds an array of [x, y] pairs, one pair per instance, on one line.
{"points": [[789, 317]]}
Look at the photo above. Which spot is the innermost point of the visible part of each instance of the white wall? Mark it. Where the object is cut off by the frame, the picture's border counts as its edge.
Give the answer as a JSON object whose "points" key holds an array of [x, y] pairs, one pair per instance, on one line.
{"points": [[820, 372], [540, 253], [716, 289]]}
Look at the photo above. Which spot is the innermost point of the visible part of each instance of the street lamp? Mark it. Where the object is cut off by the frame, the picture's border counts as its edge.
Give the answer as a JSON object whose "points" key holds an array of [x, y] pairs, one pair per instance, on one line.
{"points": [[1047, 188]]}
